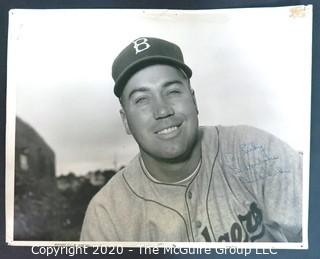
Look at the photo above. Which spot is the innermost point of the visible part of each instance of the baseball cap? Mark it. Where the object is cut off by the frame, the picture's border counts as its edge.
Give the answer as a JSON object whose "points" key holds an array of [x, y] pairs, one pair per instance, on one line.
{"points": [[141, 53]]}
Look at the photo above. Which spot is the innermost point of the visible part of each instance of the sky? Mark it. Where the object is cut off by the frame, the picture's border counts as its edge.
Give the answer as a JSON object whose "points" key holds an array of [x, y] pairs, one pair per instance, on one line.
{"points": [[250, 66]]}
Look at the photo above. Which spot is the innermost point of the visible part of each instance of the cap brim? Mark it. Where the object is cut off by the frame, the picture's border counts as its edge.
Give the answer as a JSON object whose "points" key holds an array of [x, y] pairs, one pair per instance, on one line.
{"points": [[141, 63]]}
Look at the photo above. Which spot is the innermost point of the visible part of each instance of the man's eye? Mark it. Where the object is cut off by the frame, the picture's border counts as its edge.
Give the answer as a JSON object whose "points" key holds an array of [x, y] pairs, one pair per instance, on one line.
{"points": [[173, 92], [140, 100]]}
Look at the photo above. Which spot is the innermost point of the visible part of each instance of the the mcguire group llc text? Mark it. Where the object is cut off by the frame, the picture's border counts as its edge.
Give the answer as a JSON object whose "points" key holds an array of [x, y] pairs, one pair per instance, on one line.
{"points": [[144, 250]]}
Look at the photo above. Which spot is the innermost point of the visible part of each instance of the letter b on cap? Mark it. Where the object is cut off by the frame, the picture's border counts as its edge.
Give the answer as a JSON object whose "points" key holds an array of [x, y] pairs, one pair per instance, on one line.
{"points": [[141, 44]]}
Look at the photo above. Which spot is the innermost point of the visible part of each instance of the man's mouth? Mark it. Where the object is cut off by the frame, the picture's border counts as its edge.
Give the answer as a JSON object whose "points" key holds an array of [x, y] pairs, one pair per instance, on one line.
{"points": [[167, 130]]}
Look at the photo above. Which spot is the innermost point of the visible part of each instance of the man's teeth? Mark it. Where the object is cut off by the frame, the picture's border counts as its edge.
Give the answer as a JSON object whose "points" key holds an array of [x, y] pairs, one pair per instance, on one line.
{"points": [[168, 130]]}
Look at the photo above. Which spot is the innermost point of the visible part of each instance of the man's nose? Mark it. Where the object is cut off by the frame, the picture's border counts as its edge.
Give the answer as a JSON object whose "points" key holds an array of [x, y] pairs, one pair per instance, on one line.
{"points": [[162, 109]]}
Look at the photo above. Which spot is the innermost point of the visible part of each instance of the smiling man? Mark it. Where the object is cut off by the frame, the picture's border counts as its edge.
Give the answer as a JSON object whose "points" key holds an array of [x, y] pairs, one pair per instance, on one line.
{"points": [[159, 110], [191, 183]]}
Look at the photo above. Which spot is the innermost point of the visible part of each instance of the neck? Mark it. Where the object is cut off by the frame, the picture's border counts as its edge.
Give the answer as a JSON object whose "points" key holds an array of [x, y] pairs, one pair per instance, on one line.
{"points": [[171, 171]]}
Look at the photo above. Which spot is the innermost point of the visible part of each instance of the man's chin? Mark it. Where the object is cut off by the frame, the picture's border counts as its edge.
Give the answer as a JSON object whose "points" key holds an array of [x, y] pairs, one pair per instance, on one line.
{"points": [[171, 156]]}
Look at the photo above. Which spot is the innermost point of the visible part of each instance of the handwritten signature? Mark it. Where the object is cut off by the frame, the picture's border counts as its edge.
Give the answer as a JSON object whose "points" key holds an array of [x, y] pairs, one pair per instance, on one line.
{"points": [[256, 159]]}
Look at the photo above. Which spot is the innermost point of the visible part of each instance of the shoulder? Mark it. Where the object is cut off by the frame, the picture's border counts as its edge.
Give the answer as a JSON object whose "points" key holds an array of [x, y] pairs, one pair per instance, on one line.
{"points": [[247, 148], [115, 183], [103, 202], [244, 132], [98, 222], [233, 131], [102, 221], [256, 153], [117, 191], [247, 137], [235, 135], [251, 140]]}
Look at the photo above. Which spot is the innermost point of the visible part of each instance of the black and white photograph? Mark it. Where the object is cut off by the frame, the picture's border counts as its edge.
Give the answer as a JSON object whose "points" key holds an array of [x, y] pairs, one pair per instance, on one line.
{"points": [[172, 127]]}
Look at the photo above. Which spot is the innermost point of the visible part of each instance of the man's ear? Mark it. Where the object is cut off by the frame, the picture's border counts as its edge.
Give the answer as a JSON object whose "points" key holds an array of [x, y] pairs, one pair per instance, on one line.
{"points": [[125, 121], [194, 99]]}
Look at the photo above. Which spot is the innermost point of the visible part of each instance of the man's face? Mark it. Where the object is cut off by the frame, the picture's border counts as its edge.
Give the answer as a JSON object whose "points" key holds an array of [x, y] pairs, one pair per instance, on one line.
{"points": [[160, 111]]}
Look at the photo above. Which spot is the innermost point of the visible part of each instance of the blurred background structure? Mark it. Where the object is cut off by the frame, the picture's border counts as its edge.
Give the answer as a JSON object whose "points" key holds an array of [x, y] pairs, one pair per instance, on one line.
{"points": [[48, 207]]}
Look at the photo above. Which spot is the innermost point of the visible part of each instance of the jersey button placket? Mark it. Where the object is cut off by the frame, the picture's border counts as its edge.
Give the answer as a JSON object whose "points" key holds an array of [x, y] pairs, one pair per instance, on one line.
{"points": [[189, 202]]}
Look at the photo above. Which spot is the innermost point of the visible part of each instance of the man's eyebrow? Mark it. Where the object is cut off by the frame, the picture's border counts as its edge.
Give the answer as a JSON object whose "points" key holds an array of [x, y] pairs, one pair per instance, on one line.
{"points": [[172, 82], [140, 89]]}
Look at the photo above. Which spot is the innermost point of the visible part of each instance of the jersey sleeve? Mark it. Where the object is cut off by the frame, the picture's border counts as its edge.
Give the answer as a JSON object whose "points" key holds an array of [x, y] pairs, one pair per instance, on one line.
{"points": [[97, 224], [274, 174]]}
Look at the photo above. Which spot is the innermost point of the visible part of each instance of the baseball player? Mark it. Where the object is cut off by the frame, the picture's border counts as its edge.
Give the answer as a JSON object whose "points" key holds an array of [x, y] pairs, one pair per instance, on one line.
{"points": [[190, 183]]}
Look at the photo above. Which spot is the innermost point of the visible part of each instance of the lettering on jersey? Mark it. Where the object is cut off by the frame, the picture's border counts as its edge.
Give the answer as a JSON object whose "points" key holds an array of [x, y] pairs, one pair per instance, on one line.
{"points": [[249, 228], [205, 234], [255, 159], [141, 44]]}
